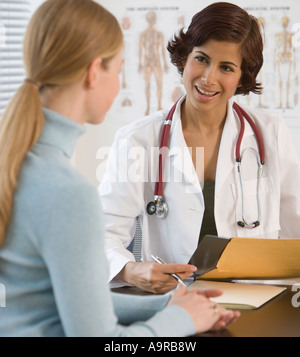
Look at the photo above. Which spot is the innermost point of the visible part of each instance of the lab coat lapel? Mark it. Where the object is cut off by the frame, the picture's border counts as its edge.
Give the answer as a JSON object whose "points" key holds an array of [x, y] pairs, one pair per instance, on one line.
{"points": [[180, 155], [226, 158]]}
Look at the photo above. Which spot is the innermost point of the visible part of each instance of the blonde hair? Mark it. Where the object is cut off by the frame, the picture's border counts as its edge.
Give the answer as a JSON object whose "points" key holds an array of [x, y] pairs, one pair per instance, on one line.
{"points": [[61, 41]]}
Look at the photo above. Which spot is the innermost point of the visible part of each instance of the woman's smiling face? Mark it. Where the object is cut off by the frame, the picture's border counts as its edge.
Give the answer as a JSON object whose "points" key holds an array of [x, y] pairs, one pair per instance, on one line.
{"points": [[212, 74]]}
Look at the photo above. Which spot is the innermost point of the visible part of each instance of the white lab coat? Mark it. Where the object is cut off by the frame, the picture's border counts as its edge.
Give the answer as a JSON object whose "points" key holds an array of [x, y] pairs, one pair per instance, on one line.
{"points": [[175, 238]]}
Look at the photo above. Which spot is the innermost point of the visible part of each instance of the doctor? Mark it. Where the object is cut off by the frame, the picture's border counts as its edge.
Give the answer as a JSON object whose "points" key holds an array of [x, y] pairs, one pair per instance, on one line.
{"points": [[219, 56]]}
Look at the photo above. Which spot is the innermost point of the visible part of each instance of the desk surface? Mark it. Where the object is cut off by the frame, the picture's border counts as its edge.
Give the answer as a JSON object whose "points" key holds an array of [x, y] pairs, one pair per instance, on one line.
{"points": [[277, 318]]}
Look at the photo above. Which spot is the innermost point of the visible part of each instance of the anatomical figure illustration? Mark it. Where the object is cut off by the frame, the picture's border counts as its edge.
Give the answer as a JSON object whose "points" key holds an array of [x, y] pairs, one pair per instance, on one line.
{"points": [[151, 55], [284, 62]]}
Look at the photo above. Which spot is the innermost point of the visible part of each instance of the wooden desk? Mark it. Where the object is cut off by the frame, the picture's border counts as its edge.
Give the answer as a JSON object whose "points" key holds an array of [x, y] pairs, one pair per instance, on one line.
{"points": [[277, 318]]}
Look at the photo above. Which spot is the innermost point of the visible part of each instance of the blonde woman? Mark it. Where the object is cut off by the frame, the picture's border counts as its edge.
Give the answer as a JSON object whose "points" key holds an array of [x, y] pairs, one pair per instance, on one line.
{"points": [[52, 260]]}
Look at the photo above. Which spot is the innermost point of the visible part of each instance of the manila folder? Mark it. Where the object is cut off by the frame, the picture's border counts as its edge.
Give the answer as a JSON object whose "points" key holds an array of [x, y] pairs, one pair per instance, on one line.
{"points": [[259, 258]]}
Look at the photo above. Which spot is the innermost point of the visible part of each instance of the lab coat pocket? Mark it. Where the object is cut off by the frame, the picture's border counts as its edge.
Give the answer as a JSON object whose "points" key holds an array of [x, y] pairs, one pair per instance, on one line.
{"points": [[257, 195]]}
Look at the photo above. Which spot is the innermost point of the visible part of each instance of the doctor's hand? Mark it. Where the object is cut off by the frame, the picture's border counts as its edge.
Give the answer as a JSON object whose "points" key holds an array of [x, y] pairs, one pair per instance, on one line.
{"points": [[153, 277], [205, 314]]}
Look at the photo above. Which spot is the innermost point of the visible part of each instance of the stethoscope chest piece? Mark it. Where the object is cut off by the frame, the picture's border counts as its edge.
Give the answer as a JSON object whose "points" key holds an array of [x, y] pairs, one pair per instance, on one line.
{"points": [[151, 208], [158, 206]]}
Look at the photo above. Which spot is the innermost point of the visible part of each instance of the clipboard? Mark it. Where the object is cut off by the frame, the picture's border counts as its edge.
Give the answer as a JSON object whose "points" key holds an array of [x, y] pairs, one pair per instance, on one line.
{"points": [[224, 258]]}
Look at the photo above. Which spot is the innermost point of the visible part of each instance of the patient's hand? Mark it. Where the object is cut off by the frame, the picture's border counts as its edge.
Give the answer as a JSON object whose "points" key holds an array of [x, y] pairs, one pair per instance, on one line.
{"points": [[205, 314]]}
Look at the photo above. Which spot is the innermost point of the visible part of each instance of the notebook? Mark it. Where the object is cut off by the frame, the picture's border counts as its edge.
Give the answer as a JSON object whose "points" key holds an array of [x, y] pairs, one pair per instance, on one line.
{"points": [[240, 296]]}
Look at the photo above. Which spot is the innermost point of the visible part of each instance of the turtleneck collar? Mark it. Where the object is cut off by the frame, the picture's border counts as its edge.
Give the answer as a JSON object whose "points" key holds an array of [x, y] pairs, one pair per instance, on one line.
{"points": [[60, 132]]}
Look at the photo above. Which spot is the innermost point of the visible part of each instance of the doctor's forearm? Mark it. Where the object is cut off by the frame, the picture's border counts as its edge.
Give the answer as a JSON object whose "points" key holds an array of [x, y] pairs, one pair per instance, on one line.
{"points": [[134, 273], [124, 274]]}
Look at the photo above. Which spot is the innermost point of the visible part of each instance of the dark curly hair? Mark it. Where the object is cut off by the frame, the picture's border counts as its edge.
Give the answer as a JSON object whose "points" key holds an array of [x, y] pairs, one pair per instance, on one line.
{"points": [[223, 21]]}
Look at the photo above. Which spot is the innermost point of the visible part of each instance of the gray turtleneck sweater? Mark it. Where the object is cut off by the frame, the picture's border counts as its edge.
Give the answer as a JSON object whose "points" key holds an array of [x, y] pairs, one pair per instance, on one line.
{"points": [[52, 264]]}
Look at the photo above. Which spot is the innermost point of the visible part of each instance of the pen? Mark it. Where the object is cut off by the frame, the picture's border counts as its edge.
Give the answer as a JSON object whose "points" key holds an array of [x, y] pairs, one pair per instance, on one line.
{"points": [[175, 276]]}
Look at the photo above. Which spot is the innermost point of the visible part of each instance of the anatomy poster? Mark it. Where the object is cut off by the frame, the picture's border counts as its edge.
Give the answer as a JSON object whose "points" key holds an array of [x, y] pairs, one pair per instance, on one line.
{"points": [[280, 74], [150, 82]]}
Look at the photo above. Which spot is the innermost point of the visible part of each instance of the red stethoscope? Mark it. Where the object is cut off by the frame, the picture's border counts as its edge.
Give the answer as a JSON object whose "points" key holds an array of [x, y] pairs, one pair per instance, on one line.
{"points": [[159, 206]]}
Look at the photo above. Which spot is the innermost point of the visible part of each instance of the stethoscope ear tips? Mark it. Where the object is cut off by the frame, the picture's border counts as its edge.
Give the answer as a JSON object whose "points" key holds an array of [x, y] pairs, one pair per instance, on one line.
{"points": [[254, 224], [151, 208]]}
